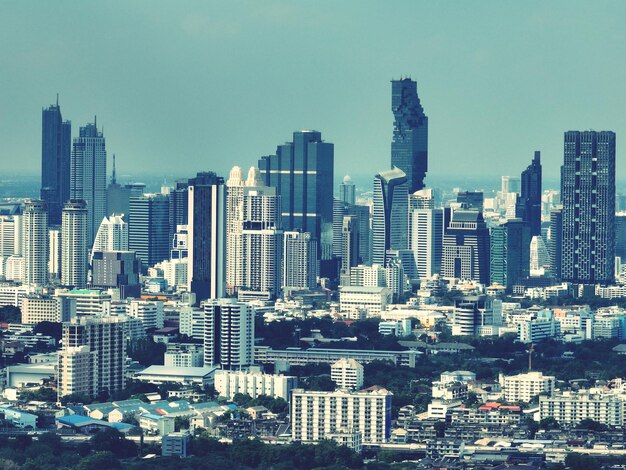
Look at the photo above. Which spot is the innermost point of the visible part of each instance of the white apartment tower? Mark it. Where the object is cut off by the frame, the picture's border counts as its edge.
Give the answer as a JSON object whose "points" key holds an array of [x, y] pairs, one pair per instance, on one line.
{"points": [[78, 372], [35, 242], [234, 227], [112, 235], [104, 335], [74, 249], [228, 334]]}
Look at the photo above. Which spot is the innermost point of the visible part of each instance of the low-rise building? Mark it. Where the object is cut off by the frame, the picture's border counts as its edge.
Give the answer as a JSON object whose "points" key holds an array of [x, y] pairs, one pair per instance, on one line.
{"points": [[253, 383], [183, 375], [373, 300], [175, 444], [315, 414], [525, 387], [571, 408]]}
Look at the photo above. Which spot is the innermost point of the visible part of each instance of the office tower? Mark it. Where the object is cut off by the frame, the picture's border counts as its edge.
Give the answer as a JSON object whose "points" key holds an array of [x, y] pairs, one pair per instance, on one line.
{"points": [[362, 214], [466, 247], [104, 335], [349, 243], [206, 230], [529, 202], [118, 197], [77, 372], [299, 262], [539, 256], [116, 270], [54, 254], [347, 192], [555, 243], [228, 334], [511, 184], [112, 235], [35, 242], [409, 147], [471, 313], [472, 200], [427, 241], [148, 228], [56, 141], [390, 214], [510, 253], [588, 197], [178, 210], [422, 199], [302, 173], [319, 415], [88, 176], [74, 251], [261, 239]]}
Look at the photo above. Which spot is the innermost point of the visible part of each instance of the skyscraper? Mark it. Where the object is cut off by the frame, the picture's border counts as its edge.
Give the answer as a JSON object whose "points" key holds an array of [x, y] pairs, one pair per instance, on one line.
{"points": [[56, 142], [88, 176], [466, 247], [588, 197], [409, 147], [342, 209], [228, 334], [112, 235], [302, 173], [427, 241], [148, 228], [510, 253], [349, 243], [178, 211], [347, 191], [234, 228], [74, 250], [390, 214], [206, 236], [35, 242], [529, 203]]}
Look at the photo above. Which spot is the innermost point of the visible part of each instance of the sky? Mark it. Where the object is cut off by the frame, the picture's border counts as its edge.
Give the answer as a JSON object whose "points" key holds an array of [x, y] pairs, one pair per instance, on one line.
{"points": [[188, 86]]}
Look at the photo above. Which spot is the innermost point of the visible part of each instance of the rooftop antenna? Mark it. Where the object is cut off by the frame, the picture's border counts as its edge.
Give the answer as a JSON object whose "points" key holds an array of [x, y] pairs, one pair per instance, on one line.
{"points": [[57, 100]]}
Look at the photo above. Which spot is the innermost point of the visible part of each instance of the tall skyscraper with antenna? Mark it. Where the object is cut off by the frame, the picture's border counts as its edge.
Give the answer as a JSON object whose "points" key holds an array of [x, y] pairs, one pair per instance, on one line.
{"points": [[409, 147], [56, 141], [88, 176]]}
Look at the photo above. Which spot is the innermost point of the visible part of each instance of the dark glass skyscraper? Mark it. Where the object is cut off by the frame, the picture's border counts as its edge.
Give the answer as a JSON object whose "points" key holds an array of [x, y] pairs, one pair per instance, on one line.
{"points": [[409, 147], [529, 203], [510, 253], [56, 143], [302, 173], [588, 197]]}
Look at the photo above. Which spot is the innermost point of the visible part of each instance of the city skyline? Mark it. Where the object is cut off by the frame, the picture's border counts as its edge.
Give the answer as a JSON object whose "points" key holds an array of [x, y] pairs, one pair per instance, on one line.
{"points": [[494, 85]]}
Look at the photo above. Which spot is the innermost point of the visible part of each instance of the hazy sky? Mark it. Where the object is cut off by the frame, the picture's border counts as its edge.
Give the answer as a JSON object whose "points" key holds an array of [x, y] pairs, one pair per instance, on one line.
{"points": [[187, 86]]}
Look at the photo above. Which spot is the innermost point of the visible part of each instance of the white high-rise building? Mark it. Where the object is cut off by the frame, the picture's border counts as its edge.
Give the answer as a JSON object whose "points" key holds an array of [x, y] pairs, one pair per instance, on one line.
{"points": [[88, 169], [253, 237], [105, 336], [35, 242], [525, 387], [54, 255], [77, 372], [316, 415], [112, 235], [347, 374], [228, 334], [10, 235], [299, 261], [191, 321], [427, 240], [74, 249], [234, 227]]}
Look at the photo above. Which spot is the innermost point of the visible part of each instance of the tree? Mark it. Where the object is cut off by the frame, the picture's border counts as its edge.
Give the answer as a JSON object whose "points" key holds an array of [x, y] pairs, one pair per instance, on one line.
{"points": [[10, 314], [100, 460], [592, 425], [440, 428], [575, 461], [111, 440], [548, 423], [49, 328]]}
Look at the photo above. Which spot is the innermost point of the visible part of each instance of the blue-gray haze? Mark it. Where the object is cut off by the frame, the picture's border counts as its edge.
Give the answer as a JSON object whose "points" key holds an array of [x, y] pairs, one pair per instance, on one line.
{"points": [[201, 85]]}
